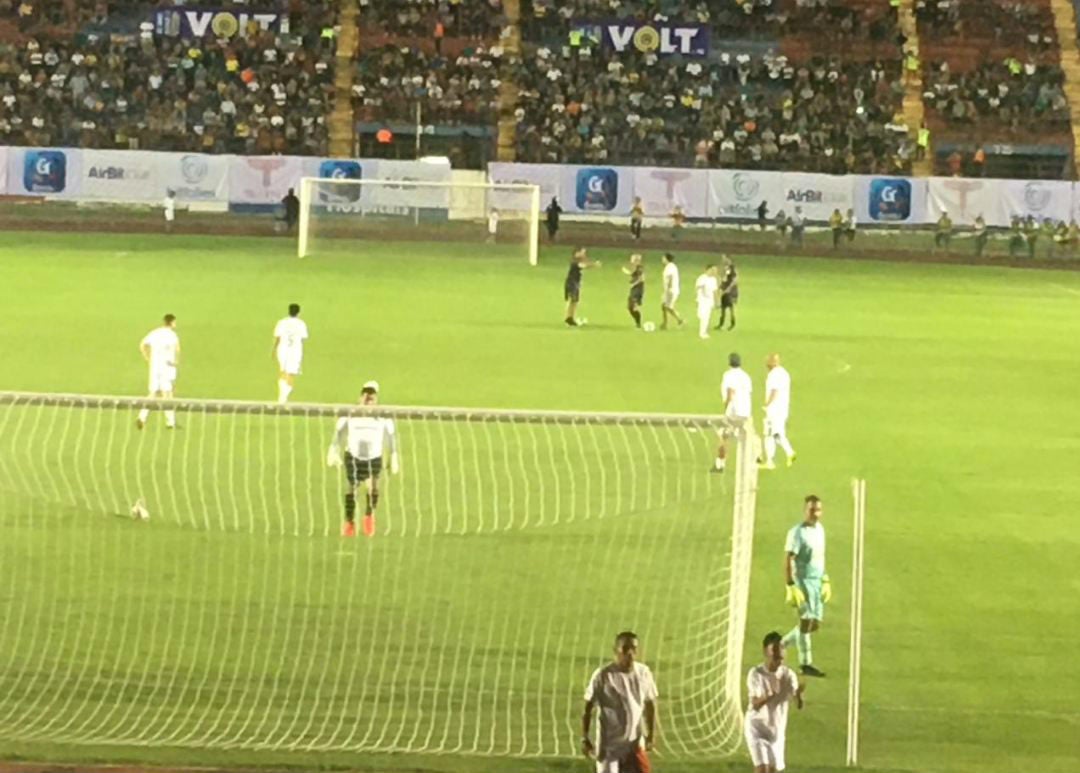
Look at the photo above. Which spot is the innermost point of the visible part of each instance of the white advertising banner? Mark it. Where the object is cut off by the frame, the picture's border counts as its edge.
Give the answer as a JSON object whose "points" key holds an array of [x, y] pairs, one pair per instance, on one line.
{"points": [[547, 176], [738, 194], [890, 200], [265, 179], [48, 172], [194, 176], [661, 190], [1038, 198], [120, 175], [3, 168], [964, 200], [818, 194]]}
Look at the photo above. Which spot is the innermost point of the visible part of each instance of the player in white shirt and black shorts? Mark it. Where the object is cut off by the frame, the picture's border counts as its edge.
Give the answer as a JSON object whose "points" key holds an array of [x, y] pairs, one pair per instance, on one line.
{"points": [[625, 694], [737, 390], [359, 444], [289, 335], [777, 406], [770, 687], [670, 291], [161, 350]]}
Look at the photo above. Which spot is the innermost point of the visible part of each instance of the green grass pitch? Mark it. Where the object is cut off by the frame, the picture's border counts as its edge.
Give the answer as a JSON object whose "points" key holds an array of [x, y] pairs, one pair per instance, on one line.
{"points": [[951, 389]]}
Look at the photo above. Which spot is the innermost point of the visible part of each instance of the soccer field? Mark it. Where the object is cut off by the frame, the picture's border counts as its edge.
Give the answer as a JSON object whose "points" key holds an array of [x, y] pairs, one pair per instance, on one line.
{"points": [[951, 389]]}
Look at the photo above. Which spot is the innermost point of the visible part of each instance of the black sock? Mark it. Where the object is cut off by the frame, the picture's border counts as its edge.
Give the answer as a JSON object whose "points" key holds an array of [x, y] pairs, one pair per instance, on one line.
{"points": [[637, 316], [372, 502], [350, 507]]}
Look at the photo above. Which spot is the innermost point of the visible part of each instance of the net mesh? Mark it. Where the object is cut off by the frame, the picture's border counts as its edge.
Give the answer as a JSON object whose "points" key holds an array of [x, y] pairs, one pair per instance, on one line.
{"points": [[509, 551]]}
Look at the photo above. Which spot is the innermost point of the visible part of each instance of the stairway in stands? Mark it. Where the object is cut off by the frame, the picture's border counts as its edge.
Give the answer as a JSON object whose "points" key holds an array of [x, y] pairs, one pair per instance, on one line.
{"points": [[340, 122], [914, 112], [1065, 24], [511, 43]]}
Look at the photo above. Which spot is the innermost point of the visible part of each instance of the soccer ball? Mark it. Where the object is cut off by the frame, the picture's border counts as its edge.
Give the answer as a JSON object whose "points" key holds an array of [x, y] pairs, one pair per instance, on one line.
{"points": [[649, 327], [583, 321], [139, 511]]}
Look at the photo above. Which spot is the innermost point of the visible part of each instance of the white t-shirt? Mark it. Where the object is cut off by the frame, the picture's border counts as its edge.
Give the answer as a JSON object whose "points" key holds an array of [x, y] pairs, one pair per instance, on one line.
{"points": [[671, 279], [621, 697], [780, 380], [164, 346], [493, 222], [291, 333], [707, 287], [769, 723], [738, 380], [364, 436], [170, 206]]}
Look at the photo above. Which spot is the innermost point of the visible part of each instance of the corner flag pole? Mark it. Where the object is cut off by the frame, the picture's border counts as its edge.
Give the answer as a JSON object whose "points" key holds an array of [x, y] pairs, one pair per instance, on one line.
{"points": [[858, 493]]}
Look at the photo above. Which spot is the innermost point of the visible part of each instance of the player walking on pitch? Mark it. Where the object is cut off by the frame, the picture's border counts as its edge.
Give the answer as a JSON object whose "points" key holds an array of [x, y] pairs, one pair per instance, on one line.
{"points": [[289, 335], [729, 292], [705, 290], [808, 586], [161, 350], [777, 405], [579, 261], [636, 298], [625, 693], [359, 444], [737, 390], [770, 687], [671, 291]]}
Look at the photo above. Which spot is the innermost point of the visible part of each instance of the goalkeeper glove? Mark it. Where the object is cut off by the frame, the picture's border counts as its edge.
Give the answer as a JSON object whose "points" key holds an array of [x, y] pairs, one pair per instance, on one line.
{"points": [[826, 589], [795, 597], [333, 456]]}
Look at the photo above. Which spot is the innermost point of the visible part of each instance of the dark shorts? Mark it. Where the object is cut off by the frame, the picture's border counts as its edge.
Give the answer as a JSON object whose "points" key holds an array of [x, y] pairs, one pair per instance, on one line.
{"points": [[359, 470], [572, 291], [728, 300], [636, 297]]}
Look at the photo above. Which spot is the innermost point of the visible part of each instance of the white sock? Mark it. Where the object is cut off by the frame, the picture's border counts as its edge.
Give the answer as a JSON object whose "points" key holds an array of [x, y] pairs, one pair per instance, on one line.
{"points": [[791, 637], [170, 418], [703, 326], [144, 414], [770, 449], [719, 463], [806, 654], [786, 445], [283, 390]]}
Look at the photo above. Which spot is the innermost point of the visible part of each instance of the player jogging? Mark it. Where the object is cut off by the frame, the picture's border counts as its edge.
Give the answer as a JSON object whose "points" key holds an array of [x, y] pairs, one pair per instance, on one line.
{"points": [[579, 261], [625, 693], [671, 291], [737, 389], [289, 335], [636, 272], [808, 586], [770, 687], [777, 405], [637, 217], [705, 290], [729, 292], [358, 444], [161, 350]]}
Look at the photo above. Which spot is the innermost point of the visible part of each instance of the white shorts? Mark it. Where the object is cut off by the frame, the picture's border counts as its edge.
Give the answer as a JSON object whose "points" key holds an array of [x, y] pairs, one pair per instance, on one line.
{"points": [[162, 379], [703, 311], [670, 299], [289, 363], [775, 425], [765, 751], [170, 215], [731, 426]]}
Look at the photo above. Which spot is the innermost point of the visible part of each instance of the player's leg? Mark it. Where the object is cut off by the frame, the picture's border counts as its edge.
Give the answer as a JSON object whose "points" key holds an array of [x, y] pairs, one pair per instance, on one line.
{"points": [[761, 756], [704, 316], [348, 526], [810, 614], [170, 415], [144, 413], [635, 311], [663, 316], [286, 380], [780, 433], [721, 451], [723, 314], [769, 443], [731, 308]]}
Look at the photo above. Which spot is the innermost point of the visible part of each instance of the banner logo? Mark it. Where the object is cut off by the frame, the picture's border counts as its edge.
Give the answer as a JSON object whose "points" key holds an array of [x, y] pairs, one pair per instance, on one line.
{"points": [[45, 171], [890, 199], [597, 189], [1036, 196], [746, 187], [340, 170], [196, 23], [194, 169], [663, 38]]}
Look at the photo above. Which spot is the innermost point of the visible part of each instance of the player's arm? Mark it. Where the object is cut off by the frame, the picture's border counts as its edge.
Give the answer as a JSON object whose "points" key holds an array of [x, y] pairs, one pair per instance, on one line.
{"points": [[277, 344], [770, 397], [337, 443], [586, 726], [144, 349], [729, 398], [650, 723], [758, 690], [789, 568], [392, 446]]}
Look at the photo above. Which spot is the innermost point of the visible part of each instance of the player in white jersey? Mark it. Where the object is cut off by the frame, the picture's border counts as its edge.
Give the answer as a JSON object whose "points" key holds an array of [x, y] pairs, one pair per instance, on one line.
{"points": [[705, 290], [737, 389], [625, 693], [161, 350], [777, 406], [360, 443], [493, 224], [770, 687], [289, 335], [670, 291], [170, 209]]}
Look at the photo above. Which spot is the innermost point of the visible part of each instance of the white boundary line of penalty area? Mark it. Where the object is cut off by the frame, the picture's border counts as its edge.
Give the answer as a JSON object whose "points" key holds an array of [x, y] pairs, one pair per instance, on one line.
{"points": [[1067, 289], [1069, 718]]}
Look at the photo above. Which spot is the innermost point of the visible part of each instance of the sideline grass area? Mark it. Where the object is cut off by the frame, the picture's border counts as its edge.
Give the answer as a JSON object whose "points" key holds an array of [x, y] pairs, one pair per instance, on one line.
{"points": [[950, 389]]}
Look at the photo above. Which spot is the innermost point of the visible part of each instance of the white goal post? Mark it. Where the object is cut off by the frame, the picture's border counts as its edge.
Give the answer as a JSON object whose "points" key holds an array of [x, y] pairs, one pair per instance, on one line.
{"points": [[344, 209]]}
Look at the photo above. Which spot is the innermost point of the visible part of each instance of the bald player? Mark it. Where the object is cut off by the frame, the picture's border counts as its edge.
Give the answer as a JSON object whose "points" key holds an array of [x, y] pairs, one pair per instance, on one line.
{"points": [[777, 405]]}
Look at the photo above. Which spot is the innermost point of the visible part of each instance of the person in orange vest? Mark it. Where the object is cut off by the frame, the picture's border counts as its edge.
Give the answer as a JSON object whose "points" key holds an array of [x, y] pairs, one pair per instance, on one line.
{"points": [[440, 33], [979, 161]]}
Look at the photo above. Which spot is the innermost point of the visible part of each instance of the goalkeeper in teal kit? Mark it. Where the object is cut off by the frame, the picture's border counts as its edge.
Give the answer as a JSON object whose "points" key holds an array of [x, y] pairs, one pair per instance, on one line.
{"points": [[808, 586]]}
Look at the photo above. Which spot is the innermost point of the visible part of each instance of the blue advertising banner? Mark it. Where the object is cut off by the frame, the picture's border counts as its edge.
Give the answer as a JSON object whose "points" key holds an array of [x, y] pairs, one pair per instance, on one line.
{"points": [[661, 38], [198, 22]]}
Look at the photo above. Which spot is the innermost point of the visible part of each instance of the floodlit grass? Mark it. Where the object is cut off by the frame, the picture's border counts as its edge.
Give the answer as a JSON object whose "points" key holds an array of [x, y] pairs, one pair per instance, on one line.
{"points": [[951, 389]]}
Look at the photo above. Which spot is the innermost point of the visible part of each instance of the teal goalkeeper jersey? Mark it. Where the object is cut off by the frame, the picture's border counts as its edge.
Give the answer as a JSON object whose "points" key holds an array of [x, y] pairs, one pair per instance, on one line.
{"points": [[808, 545]]}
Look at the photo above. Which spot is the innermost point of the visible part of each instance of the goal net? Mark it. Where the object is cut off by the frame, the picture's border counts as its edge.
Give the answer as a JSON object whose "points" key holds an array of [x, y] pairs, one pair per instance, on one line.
{"points": [[338, 215], [508, 552]]}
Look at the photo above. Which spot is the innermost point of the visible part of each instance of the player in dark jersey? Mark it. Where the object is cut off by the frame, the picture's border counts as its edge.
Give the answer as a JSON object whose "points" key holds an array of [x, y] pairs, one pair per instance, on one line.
{"points": [[636, 272], [551, 219], [637, 217], [572, 287], [729, 292]]}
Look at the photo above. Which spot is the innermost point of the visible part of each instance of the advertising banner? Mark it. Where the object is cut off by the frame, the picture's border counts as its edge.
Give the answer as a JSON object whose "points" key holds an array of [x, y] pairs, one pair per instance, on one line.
{"points": [[3, 168], [265, 179], [118, 175], [403, 197], [48, 172], [547, 176], [653, 37], [817, 194], [890, 200], [198, 22], [194, 176], [597, 190], [661, 189], [1038, 198], [736, 194], [965, 199]]}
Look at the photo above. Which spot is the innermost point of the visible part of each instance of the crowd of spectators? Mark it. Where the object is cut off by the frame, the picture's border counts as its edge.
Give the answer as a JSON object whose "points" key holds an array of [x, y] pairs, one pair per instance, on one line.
{"points": [[1011, 94], [257, 92], [1027, 21], [390, 81], [477, 19], [740, 111]]}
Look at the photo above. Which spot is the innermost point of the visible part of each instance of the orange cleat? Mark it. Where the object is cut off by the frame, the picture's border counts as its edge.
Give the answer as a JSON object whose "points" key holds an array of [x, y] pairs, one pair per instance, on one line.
{"points": [[369, 525], [348, 529]]}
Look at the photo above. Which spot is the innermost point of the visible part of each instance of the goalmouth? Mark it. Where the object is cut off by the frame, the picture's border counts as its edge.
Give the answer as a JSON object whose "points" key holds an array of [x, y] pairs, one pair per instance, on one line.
{"points": [[336, 211]]}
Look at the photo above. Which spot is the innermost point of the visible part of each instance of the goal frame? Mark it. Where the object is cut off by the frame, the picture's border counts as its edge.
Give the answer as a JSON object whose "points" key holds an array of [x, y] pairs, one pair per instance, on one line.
{"points": [[307, 185]]}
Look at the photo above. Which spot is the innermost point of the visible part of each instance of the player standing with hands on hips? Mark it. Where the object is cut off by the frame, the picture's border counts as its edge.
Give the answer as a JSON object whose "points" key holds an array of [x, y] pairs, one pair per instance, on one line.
{"points": [[808, 586], [625, 693], [770, 687], [777, 406], [289, 335], [161, 350]]}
